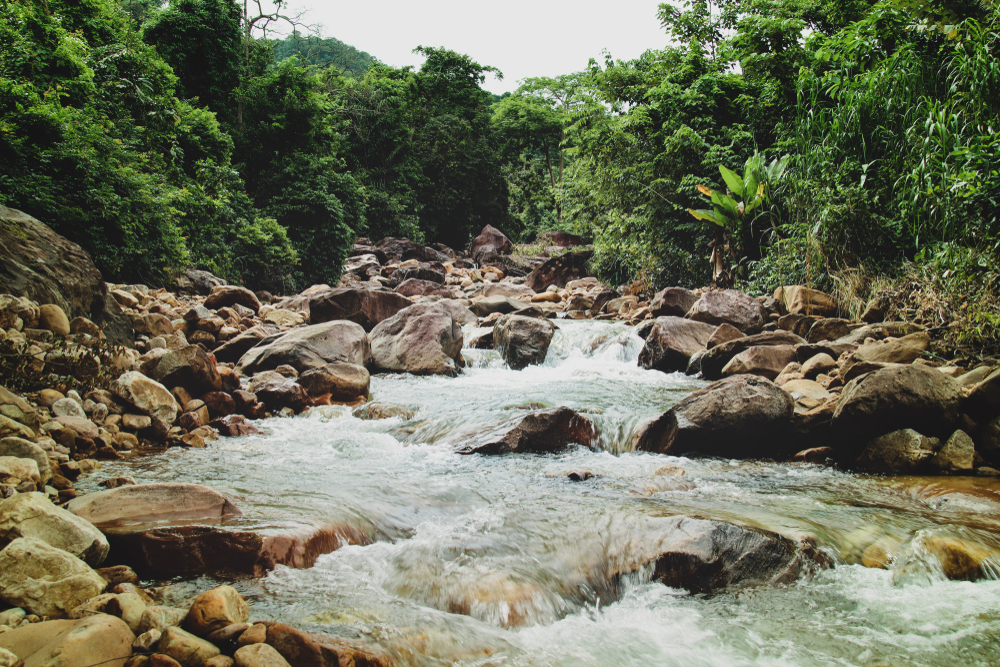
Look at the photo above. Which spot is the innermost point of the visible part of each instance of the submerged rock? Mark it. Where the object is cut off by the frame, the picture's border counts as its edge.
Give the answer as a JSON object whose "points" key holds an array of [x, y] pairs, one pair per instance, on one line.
{"points": [[542, 432], [522, 341]]}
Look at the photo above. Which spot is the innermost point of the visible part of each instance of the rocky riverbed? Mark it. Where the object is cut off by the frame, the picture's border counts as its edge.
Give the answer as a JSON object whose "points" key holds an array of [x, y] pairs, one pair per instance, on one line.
{"points": [[487, 458]]}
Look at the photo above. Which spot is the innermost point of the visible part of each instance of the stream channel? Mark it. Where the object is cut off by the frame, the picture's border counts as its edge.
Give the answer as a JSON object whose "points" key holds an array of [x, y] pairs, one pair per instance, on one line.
{"points": [[505, 561]]}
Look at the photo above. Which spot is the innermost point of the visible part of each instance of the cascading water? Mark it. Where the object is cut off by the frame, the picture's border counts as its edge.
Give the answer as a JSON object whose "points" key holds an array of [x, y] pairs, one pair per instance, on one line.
{"points": [[505, 561]]}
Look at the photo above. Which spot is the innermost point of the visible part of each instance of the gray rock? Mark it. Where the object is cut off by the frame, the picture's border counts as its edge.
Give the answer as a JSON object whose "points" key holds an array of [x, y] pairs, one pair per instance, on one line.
{"points": [[729, 307], [902, 452], [957, 455], [45, 580], [33, 515], [423, 339], [311, 347], [672, 342], [522, 341]]}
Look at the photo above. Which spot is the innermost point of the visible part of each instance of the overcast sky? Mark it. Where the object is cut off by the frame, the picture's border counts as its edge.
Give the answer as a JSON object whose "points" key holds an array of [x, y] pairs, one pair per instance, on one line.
{"points": [[521, 38]]}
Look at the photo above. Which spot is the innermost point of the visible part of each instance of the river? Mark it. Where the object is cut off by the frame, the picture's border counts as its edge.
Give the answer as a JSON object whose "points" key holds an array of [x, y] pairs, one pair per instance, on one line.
{"points": [[506, 561]]}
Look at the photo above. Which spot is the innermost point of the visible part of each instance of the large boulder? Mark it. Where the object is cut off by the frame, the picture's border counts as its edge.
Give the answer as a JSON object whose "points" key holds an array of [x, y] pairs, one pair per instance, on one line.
{"points": [[147, 503], [900, 452], [96, 640], [493, 237], [41, 265], [402, 249], [230, 295], [740, 417], [418, 272], [310, 347], [764, 360], [233, 349], [34, 515], [559, 270], [147, 395], [26, 449], [672, 301], [900, 397], [417, 287], [364, 307], [800, 299], [716, 359], [45, 580], [509, 290], [983, 402], [188, 367], [522, 341], [338, 381], [729, 307], [672, 342], [423, 339], [544, 432], [458, 311], [195, 281], [707, 556], [496, 304]]}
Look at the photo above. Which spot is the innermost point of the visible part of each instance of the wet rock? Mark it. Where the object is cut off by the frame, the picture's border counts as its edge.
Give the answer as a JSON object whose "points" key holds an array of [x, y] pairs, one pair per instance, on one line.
{"points": [[800, 299], [283, 394], [709, 556], [522, 341], [337, 382], [672, 301], [559, 271], [259, 655], [98, 640], [33, 515], [215, 609], [144, 503], [715, 360], [364, 307], [542, 432], [383, 411], [45, 580], [729, 307], [423, 339], [904, 452], [897, 398], [234, 426], [186, 648], [739, 417], [764, 361], [956, 457], [303, 650], [960, 559], [148, 395], [311, 347], [188, 367], [26, 449], [672, 342], [481, 338], [229, 295], [814, 455]]}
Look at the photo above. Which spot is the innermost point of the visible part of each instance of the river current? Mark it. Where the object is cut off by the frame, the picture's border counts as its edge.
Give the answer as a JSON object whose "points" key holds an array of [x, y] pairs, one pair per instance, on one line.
{"points": [[506, 561]]}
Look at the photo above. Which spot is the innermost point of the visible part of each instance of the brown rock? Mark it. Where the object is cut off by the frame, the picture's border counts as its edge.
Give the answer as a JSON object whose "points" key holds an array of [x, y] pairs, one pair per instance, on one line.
{"points": [[52, 317], [729, 307], [814, 455], [188, 366], [143, 503], [215, 609], [671, 343], [541, 432], [98, 640], [364, 307], [234, 426], [423, 339], [559, 271], [522, 341], [723, 334], [715, 360], [219, 404], [801, 299], [673, 301], [311, 347], [764, 361], [337, 382], [830, 328], [901, 452], [228, 295]]}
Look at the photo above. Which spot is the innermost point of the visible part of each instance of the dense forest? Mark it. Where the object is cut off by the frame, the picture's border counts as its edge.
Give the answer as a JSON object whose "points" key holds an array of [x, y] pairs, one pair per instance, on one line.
{"points": [[833, 142]]}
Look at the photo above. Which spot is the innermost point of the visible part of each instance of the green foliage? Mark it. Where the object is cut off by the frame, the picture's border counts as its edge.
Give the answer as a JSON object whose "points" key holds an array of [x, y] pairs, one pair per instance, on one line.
{"points": [[327, 53]]}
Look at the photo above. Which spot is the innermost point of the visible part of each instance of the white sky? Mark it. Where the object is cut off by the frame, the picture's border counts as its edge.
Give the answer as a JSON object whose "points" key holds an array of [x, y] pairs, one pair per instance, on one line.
{"points": [[521, 38]]}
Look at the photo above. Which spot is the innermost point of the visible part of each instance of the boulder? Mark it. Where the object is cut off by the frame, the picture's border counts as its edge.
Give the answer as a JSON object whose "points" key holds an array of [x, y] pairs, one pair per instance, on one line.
{"points": [[672, 301], [160, 618], [303, 650], [364, 307], [230, 295], [764, 360], [14, 470], [194, 281], [337, 382], [234, 426], [147, 395], [729, 307], [895, 398], [233, 349], [45, 580], [310, 347], [402, 249], [186, 648], [509, 290], [10, 428], [559, 270], [903, 350], [97, 640], [423, 339], [818, 363], [709, 556], [285, 393], [522, 341], [740, 417], [901, 452], [491, 236], [458, 311], [496, 304], [671, 343], [259, 655], [127, 606], [37, 263], [53, 318], [421, 272], [26, 449], [957, 455], [151, 324], [147, 503], [33, 515], [800, 299], [215, 609], [188, 367], [418, 287], [716, 359], [723, 334], [983, 402], [544, 432], [830, 328]]}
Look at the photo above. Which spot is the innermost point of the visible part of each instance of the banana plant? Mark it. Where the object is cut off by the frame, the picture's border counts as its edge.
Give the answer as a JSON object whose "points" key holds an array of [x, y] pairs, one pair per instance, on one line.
{"points": [[733, 211]]}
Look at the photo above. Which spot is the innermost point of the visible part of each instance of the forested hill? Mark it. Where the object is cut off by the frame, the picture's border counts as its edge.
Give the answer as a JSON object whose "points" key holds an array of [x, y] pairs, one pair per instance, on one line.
{"points": [[846, 144], [327, 52]]}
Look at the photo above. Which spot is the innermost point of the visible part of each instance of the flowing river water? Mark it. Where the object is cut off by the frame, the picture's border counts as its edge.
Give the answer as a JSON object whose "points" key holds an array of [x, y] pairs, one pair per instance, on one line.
{"points": [[504, 560]]}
